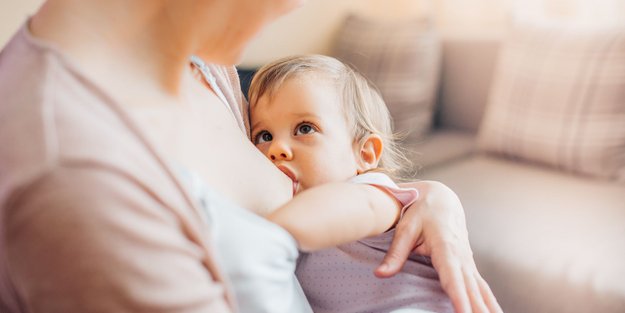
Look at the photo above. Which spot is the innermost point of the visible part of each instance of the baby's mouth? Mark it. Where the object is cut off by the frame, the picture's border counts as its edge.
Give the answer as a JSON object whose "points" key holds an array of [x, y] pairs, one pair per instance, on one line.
{"points": [[290, 174]]}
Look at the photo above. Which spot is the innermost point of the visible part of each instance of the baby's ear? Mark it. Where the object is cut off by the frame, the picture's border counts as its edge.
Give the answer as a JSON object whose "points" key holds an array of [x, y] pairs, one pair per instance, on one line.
{"points": [[369, 153]]}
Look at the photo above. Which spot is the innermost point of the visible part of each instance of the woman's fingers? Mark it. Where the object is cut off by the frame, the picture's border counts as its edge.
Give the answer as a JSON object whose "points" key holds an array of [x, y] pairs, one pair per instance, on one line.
{"points": [[452, 280], [460, 279], [487, 295], [406, 234], [468, 291], [473, 290]]}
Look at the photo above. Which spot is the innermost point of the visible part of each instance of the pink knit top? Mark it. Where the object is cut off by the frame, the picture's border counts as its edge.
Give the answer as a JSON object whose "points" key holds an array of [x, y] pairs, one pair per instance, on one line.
{"points": [[88, 205]]}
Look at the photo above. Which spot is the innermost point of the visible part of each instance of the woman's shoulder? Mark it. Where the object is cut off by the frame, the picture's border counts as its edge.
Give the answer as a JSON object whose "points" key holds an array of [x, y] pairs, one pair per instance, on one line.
{"points": [[50, 116]]}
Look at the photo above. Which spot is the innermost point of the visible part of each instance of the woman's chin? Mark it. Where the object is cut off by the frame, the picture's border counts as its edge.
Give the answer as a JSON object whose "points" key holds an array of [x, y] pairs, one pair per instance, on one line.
{"points": [[232, 58], [224, 61]]}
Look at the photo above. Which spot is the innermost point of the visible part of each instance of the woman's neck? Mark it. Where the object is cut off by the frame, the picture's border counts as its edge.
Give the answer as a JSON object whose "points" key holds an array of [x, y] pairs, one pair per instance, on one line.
{"points": [[121, 44]]}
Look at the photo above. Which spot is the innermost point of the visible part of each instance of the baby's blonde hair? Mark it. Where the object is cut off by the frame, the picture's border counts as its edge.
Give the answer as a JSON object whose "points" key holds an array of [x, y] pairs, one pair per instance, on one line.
{"points": [[363, 105]]}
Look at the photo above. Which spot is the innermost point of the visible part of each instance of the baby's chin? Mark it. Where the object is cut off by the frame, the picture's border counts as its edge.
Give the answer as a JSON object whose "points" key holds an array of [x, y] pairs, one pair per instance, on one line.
{"points": [[298, 188]]}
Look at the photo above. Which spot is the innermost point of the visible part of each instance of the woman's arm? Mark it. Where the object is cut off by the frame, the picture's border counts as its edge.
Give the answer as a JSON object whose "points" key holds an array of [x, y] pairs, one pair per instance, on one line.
{"points": [[435, 226], [337, 213]]}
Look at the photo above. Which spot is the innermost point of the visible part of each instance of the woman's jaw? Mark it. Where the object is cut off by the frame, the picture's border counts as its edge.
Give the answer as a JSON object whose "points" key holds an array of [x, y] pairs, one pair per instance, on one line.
{"points": [[229, 33]]}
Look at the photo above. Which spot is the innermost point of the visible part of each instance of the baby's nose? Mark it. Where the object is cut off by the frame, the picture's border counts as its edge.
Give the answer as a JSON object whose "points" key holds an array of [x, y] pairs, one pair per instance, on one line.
{"points": [[280, 151], [281, 155]]}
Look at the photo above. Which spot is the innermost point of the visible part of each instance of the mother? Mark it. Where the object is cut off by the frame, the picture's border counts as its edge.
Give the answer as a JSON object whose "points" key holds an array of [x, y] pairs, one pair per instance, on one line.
{"points": [[99, 104]]}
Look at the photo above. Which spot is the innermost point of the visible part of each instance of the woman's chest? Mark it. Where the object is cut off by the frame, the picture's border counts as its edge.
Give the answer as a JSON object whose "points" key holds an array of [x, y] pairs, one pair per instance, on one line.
{"points": [[207, 140]]}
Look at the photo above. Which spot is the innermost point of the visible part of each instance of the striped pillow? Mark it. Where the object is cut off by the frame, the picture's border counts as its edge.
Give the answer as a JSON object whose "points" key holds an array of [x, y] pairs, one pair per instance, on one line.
{"points": [[558, 98], [402, 59]]}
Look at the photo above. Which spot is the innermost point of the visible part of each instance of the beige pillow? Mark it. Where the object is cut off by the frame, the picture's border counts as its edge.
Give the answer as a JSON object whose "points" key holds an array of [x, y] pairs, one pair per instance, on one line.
{"points": [[402, 59], [558, 98]]}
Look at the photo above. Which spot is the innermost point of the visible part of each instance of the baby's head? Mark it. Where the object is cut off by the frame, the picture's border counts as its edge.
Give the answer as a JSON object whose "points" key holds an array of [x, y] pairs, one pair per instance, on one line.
{"points": [[320, 121]]}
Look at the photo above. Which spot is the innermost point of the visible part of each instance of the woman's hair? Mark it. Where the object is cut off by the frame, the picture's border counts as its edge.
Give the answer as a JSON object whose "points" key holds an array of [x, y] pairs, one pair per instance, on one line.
{"points": [[363, 105]]}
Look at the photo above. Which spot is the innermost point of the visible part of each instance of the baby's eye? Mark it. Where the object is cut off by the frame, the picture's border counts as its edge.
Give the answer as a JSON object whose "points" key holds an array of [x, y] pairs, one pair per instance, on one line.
{"points": [[263, 136], [304, 129]]}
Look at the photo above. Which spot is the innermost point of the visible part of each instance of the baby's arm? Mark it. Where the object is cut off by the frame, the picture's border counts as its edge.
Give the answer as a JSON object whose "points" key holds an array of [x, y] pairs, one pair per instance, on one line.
{"points": [[337, 213]]}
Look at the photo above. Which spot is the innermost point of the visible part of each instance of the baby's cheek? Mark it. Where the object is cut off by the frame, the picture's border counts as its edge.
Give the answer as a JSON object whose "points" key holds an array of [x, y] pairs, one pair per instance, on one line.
{"points": [[315, 175], [332, 174], [262, 148]]}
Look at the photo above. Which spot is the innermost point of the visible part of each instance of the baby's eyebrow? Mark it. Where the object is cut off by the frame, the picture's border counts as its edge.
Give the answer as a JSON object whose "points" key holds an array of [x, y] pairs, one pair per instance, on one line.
{"points": [[254, 126], [306, 115]]}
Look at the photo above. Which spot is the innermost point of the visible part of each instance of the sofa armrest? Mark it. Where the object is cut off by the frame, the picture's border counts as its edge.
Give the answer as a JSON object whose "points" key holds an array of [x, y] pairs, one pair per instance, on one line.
{"points": [[440, 147]]}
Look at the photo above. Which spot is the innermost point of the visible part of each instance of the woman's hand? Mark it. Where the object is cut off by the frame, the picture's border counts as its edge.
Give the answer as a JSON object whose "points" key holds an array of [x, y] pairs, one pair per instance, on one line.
{"points": [[435, 226]]}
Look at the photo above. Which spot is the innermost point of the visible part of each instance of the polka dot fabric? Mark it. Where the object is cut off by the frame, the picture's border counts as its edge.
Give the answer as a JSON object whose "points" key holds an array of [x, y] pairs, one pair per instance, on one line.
{"points": [[341, 279]]}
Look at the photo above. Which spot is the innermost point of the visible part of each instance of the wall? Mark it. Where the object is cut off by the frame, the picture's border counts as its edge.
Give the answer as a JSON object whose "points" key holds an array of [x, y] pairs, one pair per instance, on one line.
{"points": [[12, 14], [311, 28]]}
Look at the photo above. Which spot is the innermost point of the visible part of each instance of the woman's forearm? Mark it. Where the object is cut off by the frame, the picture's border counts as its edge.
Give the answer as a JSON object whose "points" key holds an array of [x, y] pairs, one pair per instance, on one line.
{"points": [[336, 213]]}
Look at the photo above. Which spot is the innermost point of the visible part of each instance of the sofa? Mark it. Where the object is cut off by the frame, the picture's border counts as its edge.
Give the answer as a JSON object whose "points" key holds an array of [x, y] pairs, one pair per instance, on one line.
{"points": [[546, 240], [547, 237]]}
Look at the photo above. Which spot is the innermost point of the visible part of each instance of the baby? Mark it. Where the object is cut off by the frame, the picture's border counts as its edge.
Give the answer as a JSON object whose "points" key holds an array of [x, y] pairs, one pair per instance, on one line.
{"points": [[326, 126]]}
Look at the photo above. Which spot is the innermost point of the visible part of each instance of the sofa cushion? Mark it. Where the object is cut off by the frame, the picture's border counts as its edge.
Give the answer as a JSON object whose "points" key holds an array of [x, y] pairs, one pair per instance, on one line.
{"points": [[558, 97], [546, 241], [466, 76], [402, 59]]}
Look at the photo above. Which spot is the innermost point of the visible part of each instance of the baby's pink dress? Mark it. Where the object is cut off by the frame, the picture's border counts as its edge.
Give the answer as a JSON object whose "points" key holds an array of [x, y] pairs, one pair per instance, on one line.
{"points": [[341, 279]]}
